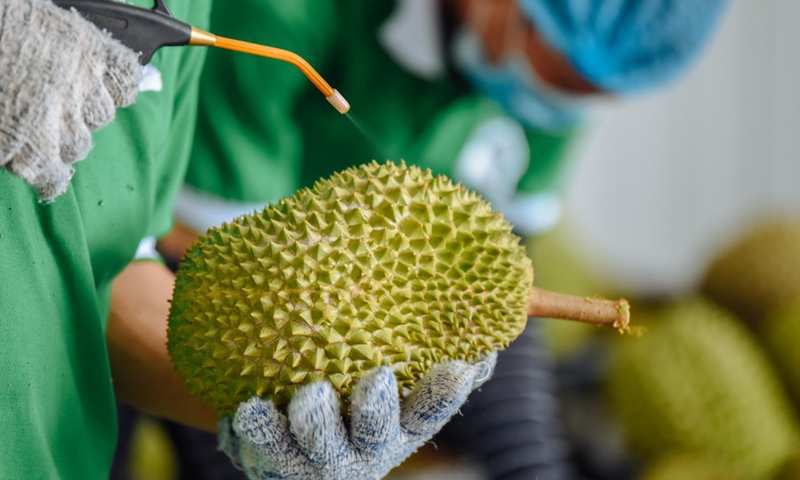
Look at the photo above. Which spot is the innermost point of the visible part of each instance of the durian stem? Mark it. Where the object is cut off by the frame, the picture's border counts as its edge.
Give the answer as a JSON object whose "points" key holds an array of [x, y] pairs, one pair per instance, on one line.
{"points": [[598, 311]]}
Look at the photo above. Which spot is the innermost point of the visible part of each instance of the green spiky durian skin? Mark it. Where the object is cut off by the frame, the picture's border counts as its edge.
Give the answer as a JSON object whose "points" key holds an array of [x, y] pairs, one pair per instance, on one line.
{"points": [[698, 382], [377, 265], [758, 273]]}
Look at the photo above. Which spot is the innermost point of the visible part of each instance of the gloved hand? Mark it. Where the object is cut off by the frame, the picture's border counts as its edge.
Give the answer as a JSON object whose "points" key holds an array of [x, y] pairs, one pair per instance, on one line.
{"points": [[314, 444], [60, 78]]}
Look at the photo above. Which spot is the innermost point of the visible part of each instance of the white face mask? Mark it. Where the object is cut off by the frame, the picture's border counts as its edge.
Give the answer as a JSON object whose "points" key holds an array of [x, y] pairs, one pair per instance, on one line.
{"points": [[516, 87]]}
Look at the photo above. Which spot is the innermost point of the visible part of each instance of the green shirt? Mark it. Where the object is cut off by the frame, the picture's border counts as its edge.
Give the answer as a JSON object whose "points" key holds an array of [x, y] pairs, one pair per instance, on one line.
{"points": [[57, 262], [266, 131]]}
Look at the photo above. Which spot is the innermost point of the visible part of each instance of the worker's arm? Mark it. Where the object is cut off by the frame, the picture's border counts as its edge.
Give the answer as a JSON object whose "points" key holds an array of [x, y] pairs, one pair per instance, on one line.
{"points": [[137, 343]]}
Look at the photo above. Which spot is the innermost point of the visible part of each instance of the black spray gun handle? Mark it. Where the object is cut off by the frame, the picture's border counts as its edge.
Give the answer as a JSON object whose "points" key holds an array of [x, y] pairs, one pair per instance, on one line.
{"points": [[146, 30], [140, 29]]}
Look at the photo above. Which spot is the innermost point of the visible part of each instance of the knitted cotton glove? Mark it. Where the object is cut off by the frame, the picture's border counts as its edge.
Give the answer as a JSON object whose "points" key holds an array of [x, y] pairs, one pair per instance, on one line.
{"points": [[314, 443], [60, 78]]}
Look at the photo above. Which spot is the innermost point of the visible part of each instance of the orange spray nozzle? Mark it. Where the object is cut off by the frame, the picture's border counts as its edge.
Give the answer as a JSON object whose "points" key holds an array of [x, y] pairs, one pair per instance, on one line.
{"points": [[203, 38]]}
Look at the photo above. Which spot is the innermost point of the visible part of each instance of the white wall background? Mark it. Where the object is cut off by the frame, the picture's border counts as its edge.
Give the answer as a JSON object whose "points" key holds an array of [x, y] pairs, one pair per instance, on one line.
{"points": [[662, 180]]}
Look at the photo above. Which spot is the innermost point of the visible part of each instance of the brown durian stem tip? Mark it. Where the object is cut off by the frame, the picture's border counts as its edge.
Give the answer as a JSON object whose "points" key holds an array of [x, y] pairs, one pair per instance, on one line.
{"points": [[598, 311]]}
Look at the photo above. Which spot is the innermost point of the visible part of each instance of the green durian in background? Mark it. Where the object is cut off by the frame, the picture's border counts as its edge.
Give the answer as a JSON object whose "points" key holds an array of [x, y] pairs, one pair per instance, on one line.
{"points": [[151, 456], [687, 466], [758, 277], [698, 382], [790, 469], [377, 265], [780, 336], [759, 272]]}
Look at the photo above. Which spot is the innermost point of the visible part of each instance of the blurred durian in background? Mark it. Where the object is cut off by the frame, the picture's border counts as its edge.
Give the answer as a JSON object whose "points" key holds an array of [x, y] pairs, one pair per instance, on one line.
{"points": [[699, 383], [687, 466], [712, 390], [758, 278], [758, 273]]}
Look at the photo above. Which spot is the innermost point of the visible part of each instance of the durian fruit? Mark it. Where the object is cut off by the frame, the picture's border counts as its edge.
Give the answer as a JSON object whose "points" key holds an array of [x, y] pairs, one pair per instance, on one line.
{"points": [[759, 272], [687, 466], [377, 265], [698, 382], [780, 336]]}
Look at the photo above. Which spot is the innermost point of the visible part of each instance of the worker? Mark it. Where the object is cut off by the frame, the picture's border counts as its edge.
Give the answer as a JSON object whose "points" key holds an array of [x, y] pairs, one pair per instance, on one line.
{"points": [[494, 93], [77, 310]]}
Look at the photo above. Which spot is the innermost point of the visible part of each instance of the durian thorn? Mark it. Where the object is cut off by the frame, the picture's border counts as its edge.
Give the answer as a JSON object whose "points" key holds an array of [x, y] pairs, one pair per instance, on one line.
{"points": [[599, 311]]}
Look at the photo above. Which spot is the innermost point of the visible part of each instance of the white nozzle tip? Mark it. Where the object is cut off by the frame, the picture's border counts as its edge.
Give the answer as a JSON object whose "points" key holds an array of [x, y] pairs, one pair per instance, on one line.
{"points": [[339, 103]]}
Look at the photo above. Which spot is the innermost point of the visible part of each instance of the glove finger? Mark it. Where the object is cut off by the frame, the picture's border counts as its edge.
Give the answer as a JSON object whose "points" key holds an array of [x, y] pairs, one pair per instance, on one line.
{"points": [[50, 179], [316, 423], [76, 138], [123, 72], [98, 108], [437, 398], [259, 423], [37, 159], [375, 411]]}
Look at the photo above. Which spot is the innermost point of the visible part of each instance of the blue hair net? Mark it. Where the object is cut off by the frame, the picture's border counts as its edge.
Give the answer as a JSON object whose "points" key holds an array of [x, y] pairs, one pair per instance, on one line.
{"points": [[626, 46]]}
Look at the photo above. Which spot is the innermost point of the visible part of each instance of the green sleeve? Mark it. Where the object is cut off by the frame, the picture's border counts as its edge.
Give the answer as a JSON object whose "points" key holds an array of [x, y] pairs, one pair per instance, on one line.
{"points": [[551, 156], [443, 139]]}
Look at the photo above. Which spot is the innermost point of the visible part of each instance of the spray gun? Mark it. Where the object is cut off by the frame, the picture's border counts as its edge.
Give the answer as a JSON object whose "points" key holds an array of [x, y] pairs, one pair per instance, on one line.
{"points": [[146, 30]]}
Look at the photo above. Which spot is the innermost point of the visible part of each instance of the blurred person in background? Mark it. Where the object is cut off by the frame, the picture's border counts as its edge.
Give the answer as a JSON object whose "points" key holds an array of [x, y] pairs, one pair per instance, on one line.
{"points": [[494, 93]]}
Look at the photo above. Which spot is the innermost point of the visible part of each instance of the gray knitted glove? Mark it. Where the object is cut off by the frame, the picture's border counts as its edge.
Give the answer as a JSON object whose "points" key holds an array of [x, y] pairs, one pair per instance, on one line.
{"points": [[60, 78], [314, 444]]}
